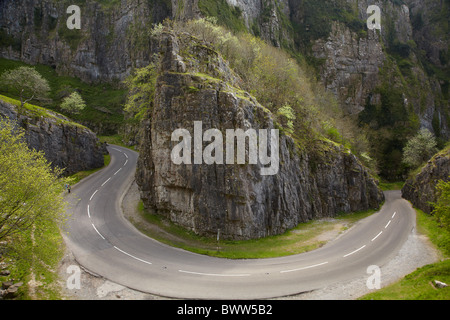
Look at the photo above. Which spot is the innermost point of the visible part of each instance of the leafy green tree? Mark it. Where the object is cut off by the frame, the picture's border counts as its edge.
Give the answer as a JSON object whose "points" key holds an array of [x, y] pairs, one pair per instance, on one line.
{"points": [[286, 117], [442, 206], [31, 192], [419, 148], [141, 90], [26, 83], [73, 104]]}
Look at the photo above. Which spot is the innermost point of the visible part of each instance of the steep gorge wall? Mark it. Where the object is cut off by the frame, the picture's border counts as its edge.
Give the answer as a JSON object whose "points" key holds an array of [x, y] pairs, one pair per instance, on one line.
{"points": [[112, 40], [236, 199], [66, 145]]}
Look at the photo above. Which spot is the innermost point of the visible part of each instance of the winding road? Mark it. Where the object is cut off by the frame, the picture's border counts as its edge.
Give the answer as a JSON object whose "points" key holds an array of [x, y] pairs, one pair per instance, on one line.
{"points": [[105, 243]]}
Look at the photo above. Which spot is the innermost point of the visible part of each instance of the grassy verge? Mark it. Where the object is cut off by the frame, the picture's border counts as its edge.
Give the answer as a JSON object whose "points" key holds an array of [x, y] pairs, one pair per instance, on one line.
{"points": [[419, 284], [34, 259], [305, 237], [386, 186]]}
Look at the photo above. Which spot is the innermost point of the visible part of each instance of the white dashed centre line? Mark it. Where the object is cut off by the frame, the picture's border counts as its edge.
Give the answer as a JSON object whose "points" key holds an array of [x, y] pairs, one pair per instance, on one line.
{"points": [[93, 195], [98, 232], [309, 267], [348, 254], [377, 235], [106, 182], [132, 255], [214, 274]]}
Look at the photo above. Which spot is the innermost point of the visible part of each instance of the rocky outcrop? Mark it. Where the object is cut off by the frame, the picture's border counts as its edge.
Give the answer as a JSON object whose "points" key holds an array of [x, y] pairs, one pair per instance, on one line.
{"points": [[65, 144], [421, 189], [236, 198]]}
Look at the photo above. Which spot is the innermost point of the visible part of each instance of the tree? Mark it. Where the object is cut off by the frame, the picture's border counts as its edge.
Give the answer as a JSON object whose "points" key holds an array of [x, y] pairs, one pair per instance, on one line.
{"points": [[31, 192], [141, 90], [419, 148], [26, 83], [73, 104]]}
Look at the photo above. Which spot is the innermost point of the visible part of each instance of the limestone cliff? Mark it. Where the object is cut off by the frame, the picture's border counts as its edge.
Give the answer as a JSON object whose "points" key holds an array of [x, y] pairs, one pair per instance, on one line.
{"points": [[65, 144], [236, 199], [421, 189], [332, 34]]}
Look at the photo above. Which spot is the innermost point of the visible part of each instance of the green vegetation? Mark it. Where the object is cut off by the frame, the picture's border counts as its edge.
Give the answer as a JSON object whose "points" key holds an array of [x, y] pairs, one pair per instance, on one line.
{"points": [[385, 186], [390, 122], [38, 112], [317, 17], [26, 83], [30, 189], [104, 102], [228, 16], [417, 285], [73, 104], [419, 149], [442, 206], [141, 91], [299, 105], [31, 212]]}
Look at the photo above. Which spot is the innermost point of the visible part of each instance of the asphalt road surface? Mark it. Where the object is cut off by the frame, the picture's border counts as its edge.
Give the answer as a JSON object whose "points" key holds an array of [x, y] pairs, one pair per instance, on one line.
{"points": [[105, 243]]}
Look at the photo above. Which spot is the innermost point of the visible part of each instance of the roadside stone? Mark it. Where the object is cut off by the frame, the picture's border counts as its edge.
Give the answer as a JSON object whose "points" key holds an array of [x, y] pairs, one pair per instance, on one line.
{"points": [[10, 289], [438, 284], [7, 284], [5, 273], [11, 292]]}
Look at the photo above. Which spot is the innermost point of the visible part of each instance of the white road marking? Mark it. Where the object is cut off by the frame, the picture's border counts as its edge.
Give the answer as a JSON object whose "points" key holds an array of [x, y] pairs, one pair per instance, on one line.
{"points": [[116, 149], [98, 232], [130, 255], [125, 163], [106, 182], [387, 224], [214, 274], [394, 215], [118, 171], [377, 235], [93, 195], [89, 212], [355, 251], [313, 266], [126, 156]]}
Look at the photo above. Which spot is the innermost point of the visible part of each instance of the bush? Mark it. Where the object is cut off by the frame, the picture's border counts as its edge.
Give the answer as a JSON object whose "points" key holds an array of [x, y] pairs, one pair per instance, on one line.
{"points": [[73, 104], [419, 149]]}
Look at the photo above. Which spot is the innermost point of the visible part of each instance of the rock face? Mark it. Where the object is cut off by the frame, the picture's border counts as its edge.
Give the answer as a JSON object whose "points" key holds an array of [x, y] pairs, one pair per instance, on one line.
{"points": [[351, 65], [65, 144], [115, 38], [236, 199], [421, 190], [112, 40]]}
